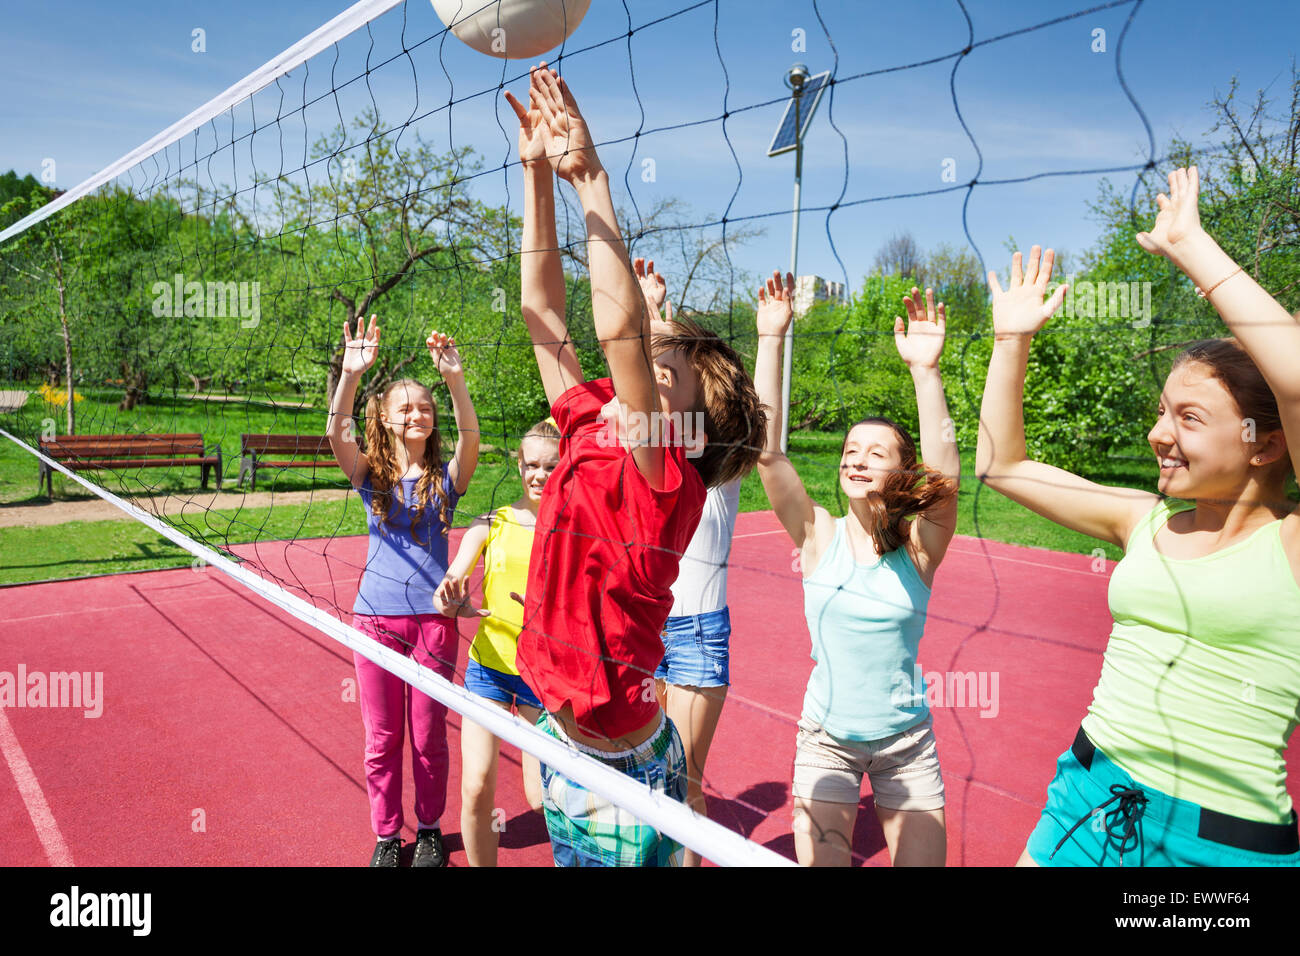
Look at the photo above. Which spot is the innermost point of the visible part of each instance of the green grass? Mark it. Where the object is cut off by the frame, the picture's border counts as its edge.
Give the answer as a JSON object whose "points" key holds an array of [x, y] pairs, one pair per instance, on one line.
{"points": [[105, 547]]}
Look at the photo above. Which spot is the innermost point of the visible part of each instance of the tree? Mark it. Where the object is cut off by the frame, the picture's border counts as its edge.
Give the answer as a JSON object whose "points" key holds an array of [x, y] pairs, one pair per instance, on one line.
{"points": [[901, 256], [691, 251], [395, 209]]}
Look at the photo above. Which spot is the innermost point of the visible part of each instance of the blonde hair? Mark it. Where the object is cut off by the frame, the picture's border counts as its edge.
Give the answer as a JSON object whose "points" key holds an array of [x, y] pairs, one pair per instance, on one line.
{"points": [[545, 430], [384, 471]]}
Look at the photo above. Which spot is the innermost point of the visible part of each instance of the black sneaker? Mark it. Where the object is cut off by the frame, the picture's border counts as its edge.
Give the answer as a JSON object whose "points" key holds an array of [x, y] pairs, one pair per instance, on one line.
{"points": [[387, 852], [428, 849]]}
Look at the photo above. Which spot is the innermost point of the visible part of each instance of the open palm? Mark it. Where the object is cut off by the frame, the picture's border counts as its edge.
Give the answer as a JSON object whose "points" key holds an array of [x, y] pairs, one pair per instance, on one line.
{"points": [[532, 132], [569, 144], [1178, 217], [922, 343], [359, 353], [1020, 310]]}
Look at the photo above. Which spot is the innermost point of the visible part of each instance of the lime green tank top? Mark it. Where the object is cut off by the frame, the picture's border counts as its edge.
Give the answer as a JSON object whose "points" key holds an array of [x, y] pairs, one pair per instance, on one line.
{"points": [[1200, 684], [505, 569]]}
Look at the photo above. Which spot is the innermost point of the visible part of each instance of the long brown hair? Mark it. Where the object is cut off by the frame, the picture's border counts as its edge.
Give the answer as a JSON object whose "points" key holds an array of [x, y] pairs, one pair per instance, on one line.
{"points": [[912, 489], [384, 471], [1232, 365]]}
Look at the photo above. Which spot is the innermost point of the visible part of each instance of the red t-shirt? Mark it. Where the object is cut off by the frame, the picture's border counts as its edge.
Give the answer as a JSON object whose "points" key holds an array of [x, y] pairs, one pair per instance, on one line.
{"points": [[605, 555]]}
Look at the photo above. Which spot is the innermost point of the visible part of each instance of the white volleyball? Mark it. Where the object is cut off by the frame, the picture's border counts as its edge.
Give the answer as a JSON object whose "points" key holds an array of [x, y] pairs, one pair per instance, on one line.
{"points": [[518, 29]]}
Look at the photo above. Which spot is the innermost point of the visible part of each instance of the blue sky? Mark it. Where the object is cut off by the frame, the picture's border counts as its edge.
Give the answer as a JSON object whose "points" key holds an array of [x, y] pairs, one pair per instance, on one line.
{"points": [[86, 82]]}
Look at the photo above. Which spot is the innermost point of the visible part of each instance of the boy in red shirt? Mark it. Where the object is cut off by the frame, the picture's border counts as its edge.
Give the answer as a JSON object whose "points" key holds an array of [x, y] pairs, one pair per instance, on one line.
{"points": [[624, 501]]}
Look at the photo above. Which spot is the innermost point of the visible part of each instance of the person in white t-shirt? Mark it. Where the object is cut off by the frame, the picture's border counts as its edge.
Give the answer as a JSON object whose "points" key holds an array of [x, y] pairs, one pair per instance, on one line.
{"points": [[692, 680]]}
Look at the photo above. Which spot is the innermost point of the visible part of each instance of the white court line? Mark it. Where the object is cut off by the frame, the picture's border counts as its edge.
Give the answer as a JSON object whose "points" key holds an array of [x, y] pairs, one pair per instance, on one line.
{"points": [[56, 850], [1036, 564]]}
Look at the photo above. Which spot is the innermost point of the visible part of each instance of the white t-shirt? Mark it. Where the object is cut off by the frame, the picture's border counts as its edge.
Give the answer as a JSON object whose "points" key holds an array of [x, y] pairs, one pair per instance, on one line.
{"points": [[701, 584]]}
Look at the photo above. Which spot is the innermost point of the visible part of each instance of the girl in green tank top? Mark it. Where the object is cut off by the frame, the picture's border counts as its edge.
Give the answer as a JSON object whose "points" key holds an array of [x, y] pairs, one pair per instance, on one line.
{"points": [[1200, 684], [867, 581]]}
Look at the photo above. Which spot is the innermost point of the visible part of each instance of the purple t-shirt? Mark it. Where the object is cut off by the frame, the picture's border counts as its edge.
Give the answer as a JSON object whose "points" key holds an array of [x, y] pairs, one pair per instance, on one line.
{"points": [[402, 570]]}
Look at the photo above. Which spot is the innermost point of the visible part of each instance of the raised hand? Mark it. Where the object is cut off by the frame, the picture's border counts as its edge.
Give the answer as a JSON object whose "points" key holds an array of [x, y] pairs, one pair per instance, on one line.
{"points": [[1020, 310], [532, 128], [442, 349], [569, 144], [775, 305], [653, 284], [359, 353], [452, 599], [922, 344], [1178, 217]]}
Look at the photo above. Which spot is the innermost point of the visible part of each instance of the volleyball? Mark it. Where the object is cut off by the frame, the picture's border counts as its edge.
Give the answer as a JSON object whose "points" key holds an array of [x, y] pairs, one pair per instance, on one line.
{"points": [[515, 29]]}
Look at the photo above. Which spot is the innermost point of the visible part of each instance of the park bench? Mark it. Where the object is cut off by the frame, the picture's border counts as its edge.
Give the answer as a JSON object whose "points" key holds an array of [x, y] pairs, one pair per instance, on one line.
{"points": [[254, 449], [83, 452]]}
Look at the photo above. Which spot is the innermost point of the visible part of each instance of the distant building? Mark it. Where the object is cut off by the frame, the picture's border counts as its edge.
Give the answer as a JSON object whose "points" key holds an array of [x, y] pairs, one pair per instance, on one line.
{"points": [[809, 290]]}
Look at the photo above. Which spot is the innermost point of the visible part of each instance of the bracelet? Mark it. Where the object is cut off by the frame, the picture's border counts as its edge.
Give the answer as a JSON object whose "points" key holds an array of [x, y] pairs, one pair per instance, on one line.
{"points": [[1206, 293]]}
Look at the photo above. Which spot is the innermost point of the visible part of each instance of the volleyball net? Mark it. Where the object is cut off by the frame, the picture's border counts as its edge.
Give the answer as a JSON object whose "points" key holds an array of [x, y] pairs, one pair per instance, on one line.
{"points": [[196, 287]]}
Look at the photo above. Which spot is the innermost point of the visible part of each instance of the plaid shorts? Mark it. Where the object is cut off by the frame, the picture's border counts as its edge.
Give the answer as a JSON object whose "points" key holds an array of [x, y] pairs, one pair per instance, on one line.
{"points": [[588, 830]]}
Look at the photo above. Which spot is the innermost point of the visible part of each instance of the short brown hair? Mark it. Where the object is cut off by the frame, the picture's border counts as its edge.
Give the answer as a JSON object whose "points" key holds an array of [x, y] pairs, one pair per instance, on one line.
{"points": [[734, 419]]}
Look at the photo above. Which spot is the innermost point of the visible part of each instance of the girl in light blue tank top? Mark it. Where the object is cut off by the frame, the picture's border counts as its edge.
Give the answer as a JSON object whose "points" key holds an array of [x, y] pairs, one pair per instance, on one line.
{"points": [[866, 589], [866, 619]]}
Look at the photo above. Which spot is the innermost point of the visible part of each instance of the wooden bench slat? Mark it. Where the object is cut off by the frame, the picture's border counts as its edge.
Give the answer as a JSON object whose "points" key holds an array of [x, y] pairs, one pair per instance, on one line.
{"points": [[114, 452], [253, 448], [285, 444], [114, 463]]}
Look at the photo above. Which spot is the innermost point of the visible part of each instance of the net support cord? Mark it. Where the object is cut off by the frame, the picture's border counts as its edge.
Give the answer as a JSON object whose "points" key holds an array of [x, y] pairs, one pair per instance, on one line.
{"points": [[711, 840], [353, 18]]}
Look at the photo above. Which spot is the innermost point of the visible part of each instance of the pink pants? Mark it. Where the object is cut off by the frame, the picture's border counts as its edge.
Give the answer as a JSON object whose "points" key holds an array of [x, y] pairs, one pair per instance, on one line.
{"points": [[388, 703]]}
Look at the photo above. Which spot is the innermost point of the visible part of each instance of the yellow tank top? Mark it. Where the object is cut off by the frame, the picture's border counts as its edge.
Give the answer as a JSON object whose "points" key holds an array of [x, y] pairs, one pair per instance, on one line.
{"points": [[505, 569]]}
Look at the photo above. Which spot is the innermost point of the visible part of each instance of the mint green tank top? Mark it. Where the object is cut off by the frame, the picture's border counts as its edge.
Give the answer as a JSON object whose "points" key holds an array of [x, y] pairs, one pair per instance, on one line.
{"points": [[866, 621], [1200, 684]]}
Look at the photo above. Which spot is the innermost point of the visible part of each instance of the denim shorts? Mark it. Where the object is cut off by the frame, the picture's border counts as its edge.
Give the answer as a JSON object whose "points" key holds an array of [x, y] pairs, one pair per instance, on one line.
{"points": [[697, 650], [503, 688], [1125, 823]]}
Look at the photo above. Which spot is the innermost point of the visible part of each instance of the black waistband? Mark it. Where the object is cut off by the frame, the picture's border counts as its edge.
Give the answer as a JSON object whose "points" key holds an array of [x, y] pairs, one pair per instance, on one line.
{"points": [[1219, 827]]}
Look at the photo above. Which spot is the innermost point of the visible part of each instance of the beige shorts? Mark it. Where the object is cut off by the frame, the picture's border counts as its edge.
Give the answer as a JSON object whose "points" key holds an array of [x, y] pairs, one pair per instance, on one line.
{"points": [[904, 768]]}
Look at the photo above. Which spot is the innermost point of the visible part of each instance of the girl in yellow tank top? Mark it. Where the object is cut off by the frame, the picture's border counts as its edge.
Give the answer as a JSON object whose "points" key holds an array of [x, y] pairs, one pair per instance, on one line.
{"points": [[1181, 752], [504, 539]]}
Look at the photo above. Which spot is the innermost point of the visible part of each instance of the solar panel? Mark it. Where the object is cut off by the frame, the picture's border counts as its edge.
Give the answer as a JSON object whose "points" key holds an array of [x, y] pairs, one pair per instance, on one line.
{"points": [[785, 139]]}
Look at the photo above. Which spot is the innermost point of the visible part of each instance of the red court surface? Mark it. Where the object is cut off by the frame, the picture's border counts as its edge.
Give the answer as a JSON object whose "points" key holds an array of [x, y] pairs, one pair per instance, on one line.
{"points": [[226, 738]]}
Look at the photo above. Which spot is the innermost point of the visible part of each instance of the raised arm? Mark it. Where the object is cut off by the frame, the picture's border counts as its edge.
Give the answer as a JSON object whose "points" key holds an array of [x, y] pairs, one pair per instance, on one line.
{"points": [[358, 355], [617, 305], [1101, 511], [1264, 328], [442, 349], [919, 346], [785, 491], [541, 275]]}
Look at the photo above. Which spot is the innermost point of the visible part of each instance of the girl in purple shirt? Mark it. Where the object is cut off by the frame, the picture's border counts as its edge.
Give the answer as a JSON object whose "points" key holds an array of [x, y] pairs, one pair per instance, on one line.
{"points": [[410, 497]]}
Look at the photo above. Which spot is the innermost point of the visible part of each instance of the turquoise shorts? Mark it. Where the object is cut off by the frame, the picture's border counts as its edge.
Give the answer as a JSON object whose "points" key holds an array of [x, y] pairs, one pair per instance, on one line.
{"points": [[1123, 823]]}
